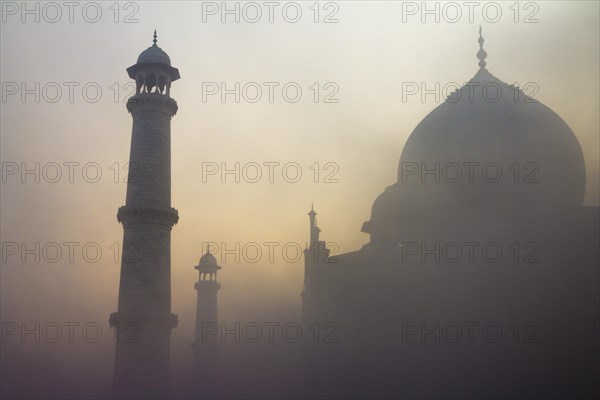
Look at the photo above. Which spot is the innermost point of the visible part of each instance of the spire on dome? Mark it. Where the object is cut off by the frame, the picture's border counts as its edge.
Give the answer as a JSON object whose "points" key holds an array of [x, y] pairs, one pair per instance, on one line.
{"points": [[154, 40], [481, 54]]}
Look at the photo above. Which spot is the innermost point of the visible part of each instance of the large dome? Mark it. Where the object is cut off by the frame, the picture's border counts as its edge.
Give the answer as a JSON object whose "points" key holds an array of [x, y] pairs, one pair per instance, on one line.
{"points": [[497, 145], [487, 147]]}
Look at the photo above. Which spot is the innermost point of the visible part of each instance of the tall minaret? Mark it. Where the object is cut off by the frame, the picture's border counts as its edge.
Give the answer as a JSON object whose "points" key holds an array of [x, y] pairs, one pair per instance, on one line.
{"points": [[143, 321], [206, 344]]}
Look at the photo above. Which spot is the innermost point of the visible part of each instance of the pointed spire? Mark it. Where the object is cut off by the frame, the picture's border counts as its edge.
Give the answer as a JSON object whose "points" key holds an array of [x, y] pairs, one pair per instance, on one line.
{"points": [[154, 40], [481, 54], [207, 248]]}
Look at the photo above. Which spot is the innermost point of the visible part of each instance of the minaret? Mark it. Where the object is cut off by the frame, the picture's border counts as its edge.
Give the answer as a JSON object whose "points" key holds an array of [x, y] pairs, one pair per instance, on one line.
{"points": [[315, 255], [314, 229], [143, 321], [206, 344]]}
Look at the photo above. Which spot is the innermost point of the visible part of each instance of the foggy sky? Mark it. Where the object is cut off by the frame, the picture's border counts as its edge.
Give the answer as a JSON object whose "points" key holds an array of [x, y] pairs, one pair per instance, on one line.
{"points": [[369, 54]]}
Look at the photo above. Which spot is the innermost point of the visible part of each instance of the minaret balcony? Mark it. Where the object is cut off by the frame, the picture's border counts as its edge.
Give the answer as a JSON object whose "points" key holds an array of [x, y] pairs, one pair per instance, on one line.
{"points": [[156, 101], [164, 216]]}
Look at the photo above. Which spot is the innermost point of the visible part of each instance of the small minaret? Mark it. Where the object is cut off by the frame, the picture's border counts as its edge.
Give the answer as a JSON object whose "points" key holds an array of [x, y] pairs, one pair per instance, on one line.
{"points": [[206, 344], [143, 320], [314, 229], [315, 256]]}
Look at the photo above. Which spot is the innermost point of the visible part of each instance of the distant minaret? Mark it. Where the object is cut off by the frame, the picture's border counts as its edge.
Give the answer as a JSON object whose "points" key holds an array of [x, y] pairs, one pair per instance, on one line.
{"points": [[144, 320], [314, 229], [206, 344], [315, 255]]}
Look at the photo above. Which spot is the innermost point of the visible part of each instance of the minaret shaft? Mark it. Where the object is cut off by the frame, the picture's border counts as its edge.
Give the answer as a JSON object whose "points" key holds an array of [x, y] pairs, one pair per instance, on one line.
{"points": [[149, 181], [144, 320]]}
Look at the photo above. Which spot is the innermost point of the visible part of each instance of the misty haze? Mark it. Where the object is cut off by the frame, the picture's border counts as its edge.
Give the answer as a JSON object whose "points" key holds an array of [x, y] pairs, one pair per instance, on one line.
{"points": [[300, 200]]}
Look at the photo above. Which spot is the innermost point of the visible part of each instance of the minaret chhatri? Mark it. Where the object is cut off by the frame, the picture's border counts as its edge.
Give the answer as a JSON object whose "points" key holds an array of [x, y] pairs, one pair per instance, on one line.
{"points": [[143, 321]]}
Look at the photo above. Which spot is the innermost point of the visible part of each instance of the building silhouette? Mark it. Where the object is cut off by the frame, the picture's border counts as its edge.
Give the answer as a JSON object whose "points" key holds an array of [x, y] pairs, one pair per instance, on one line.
{"points": [[143, 321], [480, 279]]}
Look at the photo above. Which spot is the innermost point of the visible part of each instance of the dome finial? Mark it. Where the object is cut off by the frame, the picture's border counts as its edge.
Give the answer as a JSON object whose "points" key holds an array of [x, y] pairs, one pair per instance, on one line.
{"points": [[154, 40], [481, 54], [207, 248]]}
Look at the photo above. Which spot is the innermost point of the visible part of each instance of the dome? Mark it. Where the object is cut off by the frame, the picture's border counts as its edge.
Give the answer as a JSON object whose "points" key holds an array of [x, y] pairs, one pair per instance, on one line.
{"points": [[207, 259], [153, 60], [154, 54], [489, 143], [487, 148]]}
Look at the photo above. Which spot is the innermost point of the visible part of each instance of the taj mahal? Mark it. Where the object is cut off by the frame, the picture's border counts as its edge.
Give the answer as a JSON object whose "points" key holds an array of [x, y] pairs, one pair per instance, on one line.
{"points": [[481, 244]]}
